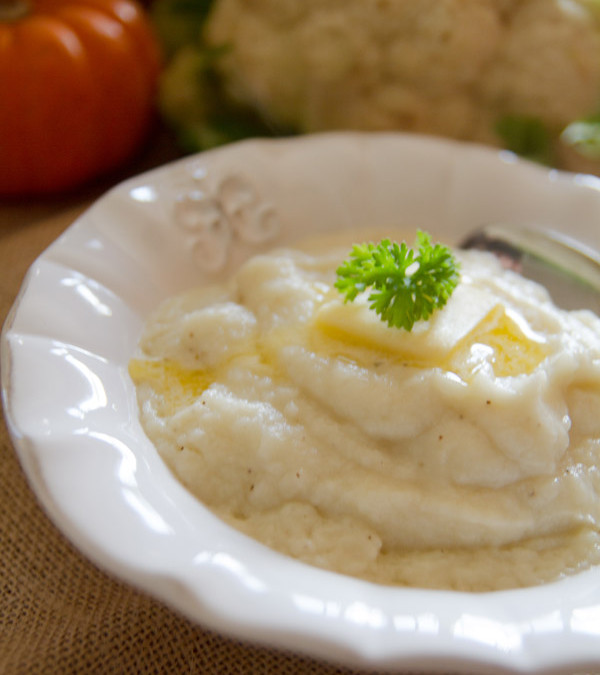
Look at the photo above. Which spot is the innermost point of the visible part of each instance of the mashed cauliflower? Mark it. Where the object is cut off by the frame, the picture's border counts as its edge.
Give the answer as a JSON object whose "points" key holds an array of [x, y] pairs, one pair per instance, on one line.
{"points": [[456, 68], [460, 455]]}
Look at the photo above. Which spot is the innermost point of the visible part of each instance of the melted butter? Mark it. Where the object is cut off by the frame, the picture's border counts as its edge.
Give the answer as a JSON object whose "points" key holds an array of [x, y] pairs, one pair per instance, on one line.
{"points": [[502, 339], [336, 343], [177, 385]]}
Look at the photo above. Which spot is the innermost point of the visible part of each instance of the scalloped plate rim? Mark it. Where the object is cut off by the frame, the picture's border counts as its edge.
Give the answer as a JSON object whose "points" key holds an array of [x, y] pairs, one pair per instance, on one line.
{"points": [[365, 633]]}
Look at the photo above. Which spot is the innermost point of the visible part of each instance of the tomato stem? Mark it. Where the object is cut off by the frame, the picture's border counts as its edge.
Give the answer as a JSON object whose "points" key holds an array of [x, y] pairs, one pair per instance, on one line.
{"points": [[13, 10]]}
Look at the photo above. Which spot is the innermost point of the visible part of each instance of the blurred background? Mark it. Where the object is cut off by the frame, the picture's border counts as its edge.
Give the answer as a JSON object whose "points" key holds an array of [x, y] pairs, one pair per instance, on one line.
{"points": [[96, 90]]}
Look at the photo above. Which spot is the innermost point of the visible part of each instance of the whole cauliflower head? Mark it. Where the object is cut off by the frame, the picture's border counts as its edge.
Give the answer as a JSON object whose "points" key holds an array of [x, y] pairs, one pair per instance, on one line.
{"points": [[446, 67]]}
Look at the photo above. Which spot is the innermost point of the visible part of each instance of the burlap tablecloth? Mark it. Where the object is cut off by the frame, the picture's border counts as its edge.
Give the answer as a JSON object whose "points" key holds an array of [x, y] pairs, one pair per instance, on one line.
{"points": [[58, 612]]}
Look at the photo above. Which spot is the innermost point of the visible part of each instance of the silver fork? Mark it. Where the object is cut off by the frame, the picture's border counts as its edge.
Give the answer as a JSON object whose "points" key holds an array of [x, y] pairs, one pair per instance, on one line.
{"points": [[567, 268]]}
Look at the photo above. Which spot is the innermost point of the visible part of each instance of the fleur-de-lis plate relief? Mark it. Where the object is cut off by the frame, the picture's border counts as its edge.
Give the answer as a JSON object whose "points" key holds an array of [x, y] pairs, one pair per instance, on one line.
{"points": [[216, 212]]}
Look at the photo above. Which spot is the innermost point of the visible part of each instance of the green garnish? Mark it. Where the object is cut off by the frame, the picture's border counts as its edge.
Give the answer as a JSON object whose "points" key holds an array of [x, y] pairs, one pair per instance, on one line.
{"points": [[406, 286]]}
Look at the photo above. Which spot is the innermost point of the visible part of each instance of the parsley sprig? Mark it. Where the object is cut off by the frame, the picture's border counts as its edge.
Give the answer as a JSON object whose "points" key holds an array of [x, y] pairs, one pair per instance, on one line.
{"points": [[407, 286]]}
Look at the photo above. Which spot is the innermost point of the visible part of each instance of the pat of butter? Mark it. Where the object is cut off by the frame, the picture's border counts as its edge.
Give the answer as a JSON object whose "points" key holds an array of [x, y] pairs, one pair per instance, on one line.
{"points": [[429, 341]]}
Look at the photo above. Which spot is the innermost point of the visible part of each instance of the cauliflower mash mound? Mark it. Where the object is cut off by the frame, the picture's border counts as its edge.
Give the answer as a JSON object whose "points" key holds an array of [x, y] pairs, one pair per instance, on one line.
{"points": [[461, 455]]}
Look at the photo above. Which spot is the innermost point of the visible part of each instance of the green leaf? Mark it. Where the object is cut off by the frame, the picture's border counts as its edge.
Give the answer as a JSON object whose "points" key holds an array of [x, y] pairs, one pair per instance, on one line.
{"points": [[584, 136], [527, 137], [192, 102], [179, 22], [406, 286]]}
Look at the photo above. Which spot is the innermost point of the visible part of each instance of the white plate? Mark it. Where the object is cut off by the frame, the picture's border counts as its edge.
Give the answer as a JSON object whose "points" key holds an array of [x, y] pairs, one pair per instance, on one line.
{"points": [[72, 413]]}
